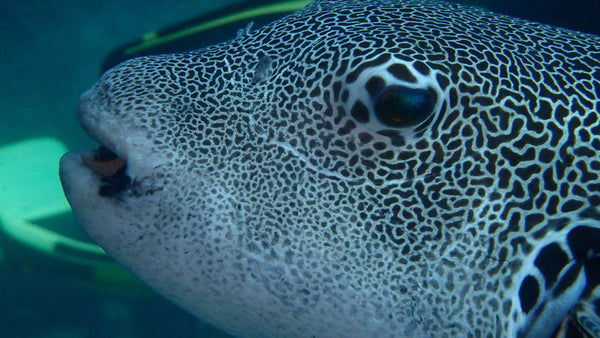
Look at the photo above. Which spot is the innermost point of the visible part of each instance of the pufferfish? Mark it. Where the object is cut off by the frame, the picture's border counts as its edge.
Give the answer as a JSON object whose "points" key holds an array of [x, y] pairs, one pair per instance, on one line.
{"points": [[357, 169]]}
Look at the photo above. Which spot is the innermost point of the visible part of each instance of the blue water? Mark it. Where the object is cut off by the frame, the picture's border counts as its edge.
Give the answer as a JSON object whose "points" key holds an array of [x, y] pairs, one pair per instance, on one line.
{"points": [[51, 53]]}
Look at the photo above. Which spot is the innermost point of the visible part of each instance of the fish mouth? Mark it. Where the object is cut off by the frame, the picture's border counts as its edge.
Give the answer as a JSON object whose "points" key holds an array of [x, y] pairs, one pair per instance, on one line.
{"points": [[108, 169], [127, 164], [95, 172], [111, 169]]}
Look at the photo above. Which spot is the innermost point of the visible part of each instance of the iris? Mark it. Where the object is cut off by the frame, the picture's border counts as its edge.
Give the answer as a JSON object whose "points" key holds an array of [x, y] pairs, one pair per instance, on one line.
{"points": [[399, 106]]}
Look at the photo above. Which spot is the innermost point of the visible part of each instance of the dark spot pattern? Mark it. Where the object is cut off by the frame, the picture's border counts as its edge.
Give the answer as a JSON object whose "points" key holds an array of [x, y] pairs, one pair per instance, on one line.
{"points": [[529, 293], [281, 177]]}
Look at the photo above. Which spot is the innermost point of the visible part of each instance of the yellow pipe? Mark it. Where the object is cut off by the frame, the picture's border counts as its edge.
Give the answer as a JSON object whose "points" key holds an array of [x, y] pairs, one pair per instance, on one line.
{"points": [[152, 39]]}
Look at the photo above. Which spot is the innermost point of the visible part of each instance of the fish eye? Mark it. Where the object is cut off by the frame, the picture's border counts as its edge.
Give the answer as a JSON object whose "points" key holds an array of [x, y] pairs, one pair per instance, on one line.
{"points": [[401, 106]]}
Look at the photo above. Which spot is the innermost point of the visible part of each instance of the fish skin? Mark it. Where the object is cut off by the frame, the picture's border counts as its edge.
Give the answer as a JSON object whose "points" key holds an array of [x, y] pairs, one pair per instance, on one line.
{"points": [[269, 197]]}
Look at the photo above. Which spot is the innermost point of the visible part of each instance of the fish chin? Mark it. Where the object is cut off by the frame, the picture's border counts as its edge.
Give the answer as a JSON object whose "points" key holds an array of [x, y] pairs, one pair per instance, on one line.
{"points": [[100, 193]]}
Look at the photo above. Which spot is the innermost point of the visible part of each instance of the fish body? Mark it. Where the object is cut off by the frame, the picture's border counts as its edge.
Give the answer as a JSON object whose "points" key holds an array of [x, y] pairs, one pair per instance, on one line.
{"points": [[358, 168]]}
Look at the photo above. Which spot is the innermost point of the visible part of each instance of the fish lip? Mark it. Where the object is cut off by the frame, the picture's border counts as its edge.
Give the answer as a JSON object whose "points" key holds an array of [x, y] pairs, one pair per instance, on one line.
{"points": [[107, 175], [108, 165], [92, 118], [126, 164]]}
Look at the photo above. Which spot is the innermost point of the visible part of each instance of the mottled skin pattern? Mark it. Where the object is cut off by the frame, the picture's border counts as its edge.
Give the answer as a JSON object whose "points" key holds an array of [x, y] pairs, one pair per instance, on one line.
{"points": [[269, 198]]}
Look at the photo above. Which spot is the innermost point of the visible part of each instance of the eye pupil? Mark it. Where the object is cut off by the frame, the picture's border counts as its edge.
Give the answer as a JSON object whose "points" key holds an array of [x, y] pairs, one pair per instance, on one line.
{"points": [[399, 106]]}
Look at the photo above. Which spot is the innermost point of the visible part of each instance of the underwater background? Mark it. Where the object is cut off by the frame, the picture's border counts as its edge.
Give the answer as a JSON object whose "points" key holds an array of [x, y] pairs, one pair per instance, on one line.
{"points": [[52, 51]]}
